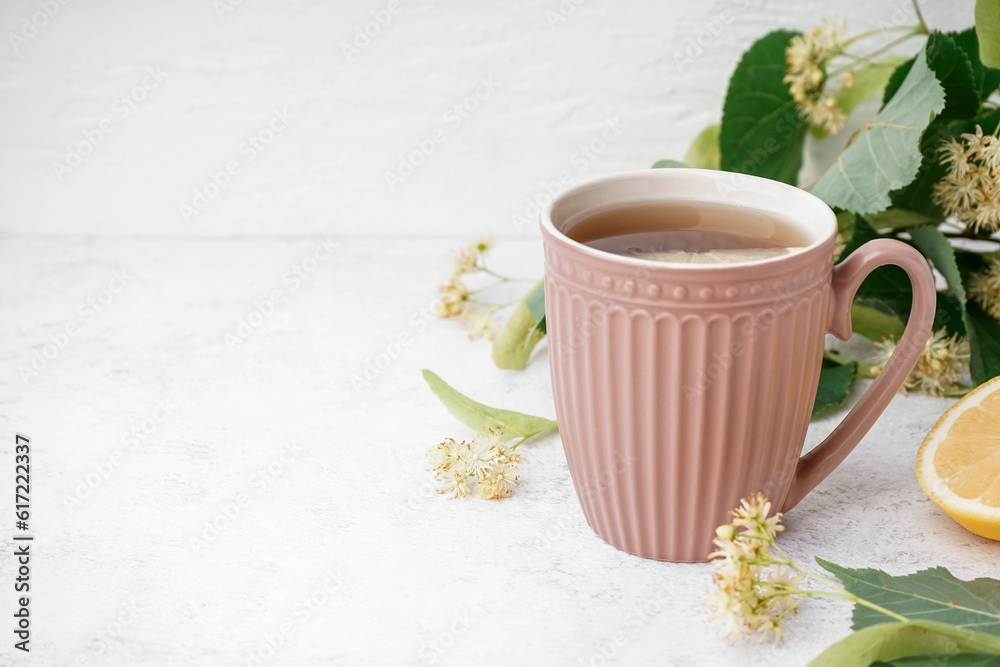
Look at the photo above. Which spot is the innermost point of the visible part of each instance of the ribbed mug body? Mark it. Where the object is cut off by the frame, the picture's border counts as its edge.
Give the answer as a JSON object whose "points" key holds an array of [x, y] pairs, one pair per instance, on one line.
{"points": [[680, 390]]}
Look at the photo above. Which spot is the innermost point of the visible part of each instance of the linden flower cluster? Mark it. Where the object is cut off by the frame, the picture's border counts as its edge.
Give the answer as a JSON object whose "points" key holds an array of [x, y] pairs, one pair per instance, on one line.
{"points": [[752, 589], [984, 288], [971, 189], [485, 461], [455, 298], [942, 362], [805, 70]]}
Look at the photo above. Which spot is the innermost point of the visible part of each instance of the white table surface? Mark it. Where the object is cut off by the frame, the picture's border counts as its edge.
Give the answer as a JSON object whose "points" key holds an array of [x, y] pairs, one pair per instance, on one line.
{"points": [[518, 581], [332, 544]]}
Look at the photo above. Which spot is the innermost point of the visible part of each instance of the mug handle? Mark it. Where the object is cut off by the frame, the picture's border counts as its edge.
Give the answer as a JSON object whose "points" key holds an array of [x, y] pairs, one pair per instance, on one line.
{"points": [[847, 277]]}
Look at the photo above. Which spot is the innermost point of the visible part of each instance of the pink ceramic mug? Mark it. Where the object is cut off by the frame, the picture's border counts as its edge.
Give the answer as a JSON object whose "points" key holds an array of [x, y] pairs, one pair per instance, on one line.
{"points": [[681, 388]]}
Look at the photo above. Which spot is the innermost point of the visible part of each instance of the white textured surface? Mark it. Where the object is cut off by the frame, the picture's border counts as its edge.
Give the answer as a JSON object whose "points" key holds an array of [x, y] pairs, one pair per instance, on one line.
{"points": [[119, 578], [535, 585]]}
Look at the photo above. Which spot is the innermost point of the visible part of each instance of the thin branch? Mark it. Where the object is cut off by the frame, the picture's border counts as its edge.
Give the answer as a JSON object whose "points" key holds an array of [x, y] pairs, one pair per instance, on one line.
{"points": [[920, 17]]}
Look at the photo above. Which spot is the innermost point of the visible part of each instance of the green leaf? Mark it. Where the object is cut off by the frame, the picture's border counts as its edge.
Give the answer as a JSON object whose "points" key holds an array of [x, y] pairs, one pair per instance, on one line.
{"points": [[935, 246], [984, 343], [988, 31], [762, 132], [950, 314], [953, 69], [887, 641], [899, 218], [869, 81], [704, 150], [886, 286], [943, 660], [987, 79], [535, 301], [931, 595], [478, 416], [661, 164], [873, 324], [834, 386], [885, 155], [512, 347]]}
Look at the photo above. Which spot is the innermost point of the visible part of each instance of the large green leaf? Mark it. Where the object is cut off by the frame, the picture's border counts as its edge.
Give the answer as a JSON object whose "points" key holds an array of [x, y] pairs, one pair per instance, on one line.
{"points": [[704, 150], [984, 343], [987, 78], [873, 324], [834, 386], [943, 660], [478, 416], [885, 155], [762, 132], [888, 641], [887, 286], [869, 81], [954, 70], [931, 595], [988, 31], [535, 301], [668, 164], [513, 345], [935, 246], [898, 219]]}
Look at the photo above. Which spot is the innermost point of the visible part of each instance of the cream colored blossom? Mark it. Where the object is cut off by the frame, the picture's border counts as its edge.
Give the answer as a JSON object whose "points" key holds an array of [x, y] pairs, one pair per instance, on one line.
{"points": [[970, 190], [942, 362], [453, 299], [480, 323], [806, 57], [745, 595], [485, 462], [984, 289], [463, 261]]}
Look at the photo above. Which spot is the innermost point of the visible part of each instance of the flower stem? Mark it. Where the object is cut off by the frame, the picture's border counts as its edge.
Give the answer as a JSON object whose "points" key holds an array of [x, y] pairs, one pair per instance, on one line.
{"points": [[502, 278], [959, 391], [920, 17], [914, 32]]}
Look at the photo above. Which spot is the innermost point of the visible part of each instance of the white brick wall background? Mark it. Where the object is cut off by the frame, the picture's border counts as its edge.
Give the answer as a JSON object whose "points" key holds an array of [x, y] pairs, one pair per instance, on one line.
{"points": [[564, 68]]}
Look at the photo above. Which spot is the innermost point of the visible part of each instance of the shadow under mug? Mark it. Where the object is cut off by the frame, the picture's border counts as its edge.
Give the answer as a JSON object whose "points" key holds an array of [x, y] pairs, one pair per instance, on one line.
{"points": [[681, 388]]}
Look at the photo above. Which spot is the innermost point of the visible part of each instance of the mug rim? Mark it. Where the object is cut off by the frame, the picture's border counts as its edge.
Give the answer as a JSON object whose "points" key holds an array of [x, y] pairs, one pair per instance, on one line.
{"points": [[805, 199]]}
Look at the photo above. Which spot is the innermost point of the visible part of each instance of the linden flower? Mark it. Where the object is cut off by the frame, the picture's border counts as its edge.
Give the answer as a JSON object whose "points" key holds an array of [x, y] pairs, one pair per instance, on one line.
{"points": [[485, 461], [971, 188], [746, 596], [454, 299], [463, 261], [806, 57], [984, 288], [943, 360], [480, 323]]}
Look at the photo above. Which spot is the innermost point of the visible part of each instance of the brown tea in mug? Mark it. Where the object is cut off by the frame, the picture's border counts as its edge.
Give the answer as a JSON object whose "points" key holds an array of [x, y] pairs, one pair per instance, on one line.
{"points": [[689, 232]]}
